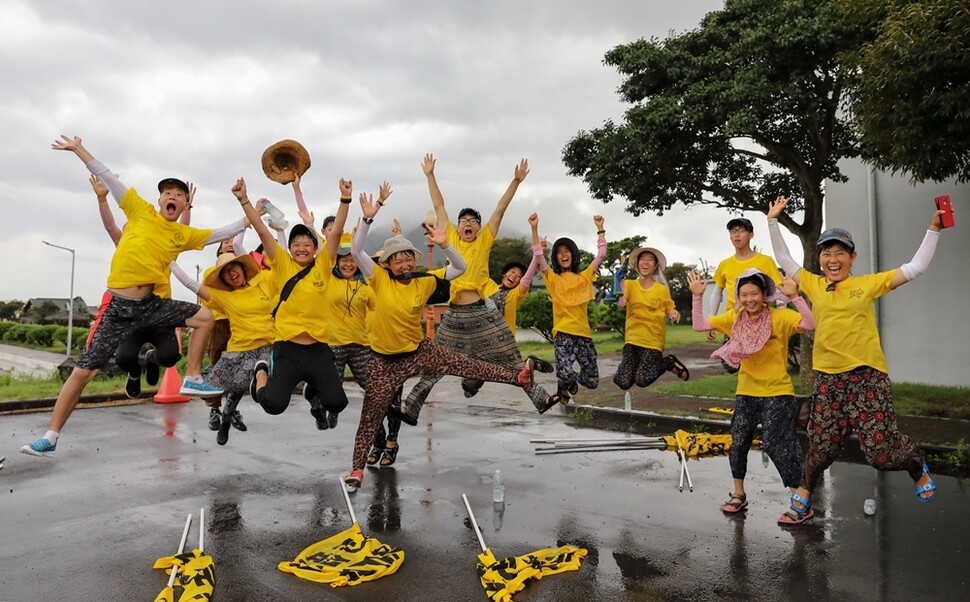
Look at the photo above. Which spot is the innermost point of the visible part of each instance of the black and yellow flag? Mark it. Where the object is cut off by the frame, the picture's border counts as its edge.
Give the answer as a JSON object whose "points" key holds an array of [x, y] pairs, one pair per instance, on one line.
{"points": [[698, 444], [196, 577], [502, 578], [347, 558]]}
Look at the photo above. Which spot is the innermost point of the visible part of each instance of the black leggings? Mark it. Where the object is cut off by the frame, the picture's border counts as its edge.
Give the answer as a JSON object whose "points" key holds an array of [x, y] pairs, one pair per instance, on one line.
{"points": [[290, 363], [162, 338]]}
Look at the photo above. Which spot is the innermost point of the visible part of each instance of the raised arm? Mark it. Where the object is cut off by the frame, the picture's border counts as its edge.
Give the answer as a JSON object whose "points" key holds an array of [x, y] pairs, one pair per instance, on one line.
{"points": [[438, 234], [340, 218], [190, 283], [252, 214], [538, 251], [924, 254], [107, 218], [525, 283], [73, 144], [438, 201], [521, 171], [298, 195], [778, 246], [790, 290], [369, 209], [600, 242], [186, 218], [697, 286]]}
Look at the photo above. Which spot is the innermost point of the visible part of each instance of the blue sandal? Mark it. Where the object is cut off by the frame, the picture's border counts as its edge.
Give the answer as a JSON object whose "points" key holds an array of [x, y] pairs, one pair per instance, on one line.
{"points": [[929, 487], [800, 515]]}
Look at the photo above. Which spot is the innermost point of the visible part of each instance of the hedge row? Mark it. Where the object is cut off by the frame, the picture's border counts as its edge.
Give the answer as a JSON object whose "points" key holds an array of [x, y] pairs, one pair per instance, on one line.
{"points": [[41, 335]]}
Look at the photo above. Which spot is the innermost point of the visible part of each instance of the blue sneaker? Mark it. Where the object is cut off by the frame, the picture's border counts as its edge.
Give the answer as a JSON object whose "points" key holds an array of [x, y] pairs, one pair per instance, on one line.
{"points": [[202, 389], [41, 448]]}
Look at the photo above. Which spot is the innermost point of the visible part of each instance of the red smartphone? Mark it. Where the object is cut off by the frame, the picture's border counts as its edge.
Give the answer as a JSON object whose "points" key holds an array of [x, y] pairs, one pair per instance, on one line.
{"points": [[943, 204]]}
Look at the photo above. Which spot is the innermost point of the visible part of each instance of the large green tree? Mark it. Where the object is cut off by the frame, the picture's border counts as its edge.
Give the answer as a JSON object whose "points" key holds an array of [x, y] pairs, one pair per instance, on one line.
{"points": [[911, 95], [733, 113], [505, 250]]}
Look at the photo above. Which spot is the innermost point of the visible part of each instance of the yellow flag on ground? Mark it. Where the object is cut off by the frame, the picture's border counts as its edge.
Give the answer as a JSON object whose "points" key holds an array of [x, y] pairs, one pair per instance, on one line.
{"points": [[698, 444], [502, 578], [196, 576], [166, 595], [347, 558]]}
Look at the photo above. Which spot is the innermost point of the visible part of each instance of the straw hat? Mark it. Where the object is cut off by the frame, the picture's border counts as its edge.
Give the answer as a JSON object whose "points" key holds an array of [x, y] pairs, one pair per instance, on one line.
{"points": [[286, 159], [214, 279], [635, 257]]}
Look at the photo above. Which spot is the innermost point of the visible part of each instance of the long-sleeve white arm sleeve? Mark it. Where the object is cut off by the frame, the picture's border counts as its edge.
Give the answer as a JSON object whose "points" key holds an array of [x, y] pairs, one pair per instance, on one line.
{"points": [[780, 250], [109, 179]]}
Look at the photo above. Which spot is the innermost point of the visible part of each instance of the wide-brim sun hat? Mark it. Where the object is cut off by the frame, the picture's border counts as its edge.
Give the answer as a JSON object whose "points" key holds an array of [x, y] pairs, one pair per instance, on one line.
{"points": [[286, 159], [396, 244], [635, 257], [214, 279]]}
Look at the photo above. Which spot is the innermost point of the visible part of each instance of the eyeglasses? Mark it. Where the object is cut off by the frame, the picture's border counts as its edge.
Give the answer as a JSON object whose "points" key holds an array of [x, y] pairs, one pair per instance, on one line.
{"points": [[468, 220], [737, 231]]}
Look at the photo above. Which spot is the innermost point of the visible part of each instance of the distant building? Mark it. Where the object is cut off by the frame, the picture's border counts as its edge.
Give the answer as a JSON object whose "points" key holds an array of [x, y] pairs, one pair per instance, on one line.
{"points": [[923, 324], [82, 315]]}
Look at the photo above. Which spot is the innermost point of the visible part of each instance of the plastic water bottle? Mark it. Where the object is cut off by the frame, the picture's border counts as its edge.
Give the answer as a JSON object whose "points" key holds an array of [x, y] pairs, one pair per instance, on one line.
{"points": [[498, 514], [869, 507], [498, 489], [627, 401], [276, 218]]}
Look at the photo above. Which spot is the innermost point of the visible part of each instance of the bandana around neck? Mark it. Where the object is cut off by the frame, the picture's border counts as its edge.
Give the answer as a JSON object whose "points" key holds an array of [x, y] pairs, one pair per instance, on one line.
{"points": [[748, 336]]}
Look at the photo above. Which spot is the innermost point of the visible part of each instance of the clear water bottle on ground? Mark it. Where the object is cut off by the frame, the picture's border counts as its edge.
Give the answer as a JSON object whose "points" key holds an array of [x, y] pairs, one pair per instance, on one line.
{"points": [[627, 401], [869, 507], [276, 218], [498, 488], [498, 515]]}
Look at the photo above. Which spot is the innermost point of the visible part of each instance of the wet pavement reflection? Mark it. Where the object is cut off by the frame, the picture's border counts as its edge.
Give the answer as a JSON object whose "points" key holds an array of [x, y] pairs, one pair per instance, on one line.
{"points": [[89, 524]]}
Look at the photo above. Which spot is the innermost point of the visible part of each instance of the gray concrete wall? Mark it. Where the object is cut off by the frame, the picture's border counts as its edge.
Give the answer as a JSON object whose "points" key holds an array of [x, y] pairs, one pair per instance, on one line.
{"points": [[923, 324]]}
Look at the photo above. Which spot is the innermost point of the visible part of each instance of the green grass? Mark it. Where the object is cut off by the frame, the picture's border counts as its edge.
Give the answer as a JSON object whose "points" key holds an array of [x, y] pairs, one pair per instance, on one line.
{"points": [[909, 399], [37, 388], [678, 335]]}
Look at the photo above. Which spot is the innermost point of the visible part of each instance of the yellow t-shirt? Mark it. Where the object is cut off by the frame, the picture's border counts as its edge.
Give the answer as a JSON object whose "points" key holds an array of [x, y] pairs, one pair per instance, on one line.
{"points": [[571, 294], [765, 373], [394, 323], [513, 299], [216, 314], [163, 288], [646, 314], [727, 273], [249, 310], [347, 302], [846, 336], [148, 244], [304, 311], [475, 255]]}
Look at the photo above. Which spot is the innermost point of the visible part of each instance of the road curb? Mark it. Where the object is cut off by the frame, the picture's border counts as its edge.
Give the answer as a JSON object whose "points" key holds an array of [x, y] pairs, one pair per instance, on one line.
{"points": [[46, 403]]}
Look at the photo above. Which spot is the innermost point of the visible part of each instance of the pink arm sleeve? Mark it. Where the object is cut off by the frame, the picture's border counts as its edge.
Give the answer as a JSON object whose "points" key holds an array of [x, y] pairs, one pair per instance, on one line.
{"points": [[526, 283], [808, 320], [698, 318], [538, 254]]}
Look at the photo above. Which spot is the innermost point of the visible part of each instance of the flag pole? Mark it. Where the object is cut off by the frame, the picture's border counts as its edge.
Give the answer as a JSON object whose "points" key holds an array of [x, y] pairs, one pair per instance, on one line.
{"points": [[353, 517], [471, 515], [171, 578], [201, 529], [686, 471], [681, 485], [185, 533]]}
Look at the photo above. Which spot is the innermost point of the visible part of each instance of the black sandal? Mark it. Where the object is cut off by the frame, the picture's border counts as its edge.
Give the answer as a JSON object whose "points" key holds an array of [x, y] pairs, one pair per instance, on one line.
{"points": [[541, 365], [375, 455], [553, 400], [390, 454], [678, 368]]}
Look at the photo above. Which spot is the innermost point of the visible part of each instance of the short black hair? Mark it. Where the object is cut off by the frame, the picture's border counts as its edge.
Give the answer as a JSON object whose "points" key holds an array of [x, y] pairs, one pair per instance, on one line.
{"points": [[514, 264], [327, 221]]}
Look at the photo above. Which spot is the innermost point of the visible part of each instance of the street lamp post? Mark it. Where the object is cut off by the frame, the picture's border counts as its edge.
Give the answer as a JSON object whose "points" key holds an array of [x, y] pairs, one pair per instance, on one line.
{"points": [[70, 301]]}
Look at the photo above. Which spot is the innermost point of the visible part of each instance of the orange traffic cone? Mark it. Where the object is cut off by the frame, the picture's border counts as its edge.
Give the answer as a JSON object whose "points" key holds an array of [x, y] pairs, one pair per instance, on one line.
{"points": [[168, 392]]}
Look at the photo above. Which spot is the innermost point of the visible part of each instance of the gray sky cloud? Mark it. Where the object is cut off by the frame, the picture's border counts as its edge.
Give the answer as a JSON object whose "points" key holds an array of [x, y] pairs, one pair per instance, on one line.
{"points": [[200, 89]]}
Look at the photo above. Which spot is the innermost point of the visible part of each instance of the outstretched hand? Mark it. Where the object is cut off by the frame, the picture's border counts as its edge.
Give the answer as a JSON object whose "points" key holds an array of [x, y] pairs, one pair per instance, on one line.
{"points": [[696, 283], [98, 186], [191, 193], [437, 233], [68, 143], [521, 170], [777, 207], [383, 192], [367, 205], [427, 166]]}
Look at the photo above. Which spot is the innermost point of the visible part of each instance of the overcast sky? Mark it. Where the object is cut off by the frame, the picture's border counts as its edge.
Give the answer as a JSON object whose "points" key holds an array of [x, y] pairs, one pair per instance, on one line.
{"points": [[198, 90]]}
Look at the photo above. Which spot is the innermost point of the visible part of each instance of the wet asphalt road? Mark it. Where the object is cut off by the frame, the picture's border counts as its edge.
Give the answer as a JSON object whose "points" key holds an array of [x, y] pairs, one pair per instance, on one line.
{"points": [[89, 524]]}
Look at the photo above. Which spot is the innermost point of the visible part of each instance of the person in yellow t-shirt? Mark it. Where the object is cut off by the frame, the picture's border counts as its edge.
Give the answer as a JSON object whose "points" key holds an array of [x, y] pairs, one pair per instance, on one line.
{"points": [[758, 346], [301, 349], [237, 289], [571, 290], [852, 389], [648, 306], [472, 325], [398, 348], [151, 240]]}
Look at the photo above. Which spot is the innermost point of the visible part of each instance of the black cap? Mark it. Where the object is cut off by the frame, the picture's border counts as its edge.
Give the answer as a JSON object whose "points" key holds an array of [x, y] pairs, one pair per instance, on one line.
{"points": [[303, 230], [169, 182], [471, 212], [740, 222]]}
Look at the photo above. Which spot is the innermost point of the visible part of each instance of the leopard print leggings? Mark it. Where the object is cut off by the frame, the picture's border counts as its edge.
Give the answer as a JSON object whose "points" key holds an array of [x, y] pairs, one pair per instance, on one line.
{"points": [[386, 373]]}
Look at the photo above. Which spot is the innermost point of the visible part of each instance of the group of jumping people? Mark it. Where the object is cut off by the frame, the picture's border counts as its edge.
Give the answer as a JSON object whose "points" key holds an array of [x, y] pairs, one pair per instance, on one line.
{"points": [[302, 307]]}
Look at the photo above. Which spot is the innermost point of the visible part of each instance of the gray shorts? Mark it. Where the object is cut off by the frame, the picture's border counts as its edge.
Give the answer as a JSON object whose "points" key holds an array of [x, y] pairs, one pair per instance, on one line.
{"points": [[120, 316]]}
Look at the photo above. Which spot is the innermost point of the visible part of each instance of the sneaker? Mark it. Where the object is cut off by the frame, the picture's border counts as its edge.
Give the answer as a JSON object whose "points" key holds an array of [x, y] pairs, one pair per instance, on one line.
{"points": [[235, 419], [261, 365], [133, 387], [332, 419], [320, 415], [192, 388], [222, 437], [354, 479], [151, 368], [41, 448], [215, 419]]}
